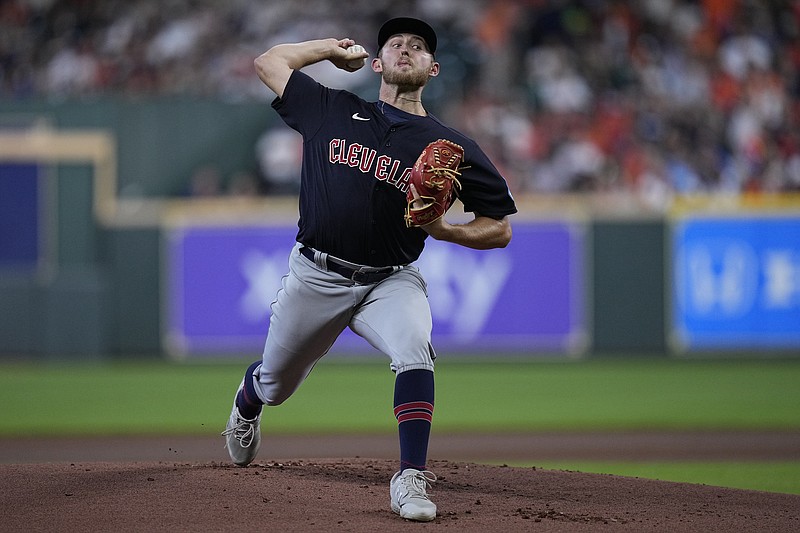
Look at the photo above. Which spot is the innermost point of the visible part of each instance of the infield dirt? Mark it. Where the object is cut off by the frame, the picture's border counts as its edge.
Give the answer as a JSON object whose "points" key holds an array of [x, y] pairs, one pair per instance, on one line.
{"points": [[135, 486]]}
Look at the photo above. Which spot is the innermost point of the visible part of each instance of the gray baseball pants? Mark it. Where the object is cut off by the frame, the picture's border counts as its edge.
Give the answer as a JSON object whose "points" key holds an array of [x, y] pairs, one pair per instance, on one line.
{"points": [[314, 306]]}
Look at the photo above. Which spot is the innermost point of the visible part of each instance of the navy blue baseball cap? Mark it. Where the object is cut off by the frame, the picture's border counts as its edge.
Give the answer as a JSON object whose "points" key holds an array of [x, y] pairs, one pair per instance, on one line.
{"points": [[407, 25]]}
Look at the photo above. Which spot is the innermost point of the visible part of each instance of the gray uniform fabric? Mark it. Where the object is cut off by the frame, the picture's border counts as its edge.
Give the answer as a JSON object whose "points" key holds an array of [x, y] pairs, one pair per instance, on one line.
{"points": [[393, 315]]}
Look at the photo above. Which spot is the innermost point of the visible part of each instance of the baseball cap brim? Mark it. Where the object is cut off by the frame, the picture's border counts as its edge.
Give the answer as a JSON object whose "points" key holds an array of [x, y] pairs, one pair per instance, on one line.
{"points": [[407, 25]]}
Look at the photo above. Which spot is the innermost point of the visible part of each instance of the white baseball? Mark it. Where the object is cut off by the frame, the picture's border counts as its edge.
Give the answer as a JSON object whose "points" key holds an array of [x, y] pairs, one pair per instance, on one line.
{"points": [[356, 63]]}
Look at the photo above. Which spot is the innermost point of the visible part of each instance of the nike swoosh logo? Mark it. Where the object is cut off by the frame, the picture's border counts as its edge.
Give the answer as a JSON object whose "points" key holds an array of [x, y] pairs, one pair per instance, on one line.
{"points": [[356, 116]]}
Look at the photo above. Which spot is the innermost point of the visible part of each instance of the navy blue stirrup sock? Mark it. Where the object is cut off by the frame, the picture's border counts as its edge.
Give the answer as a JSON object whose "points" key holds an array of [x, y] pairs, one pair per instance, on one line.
{"points": [[413, 408], [247, 400]]}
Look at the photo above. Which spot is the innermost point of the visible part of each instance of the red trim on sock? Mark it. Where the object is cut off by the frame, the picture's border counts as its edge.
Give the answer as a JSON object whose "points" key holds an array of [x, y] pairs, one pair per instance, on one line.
{"points": [[415, 415], [413, 405]]}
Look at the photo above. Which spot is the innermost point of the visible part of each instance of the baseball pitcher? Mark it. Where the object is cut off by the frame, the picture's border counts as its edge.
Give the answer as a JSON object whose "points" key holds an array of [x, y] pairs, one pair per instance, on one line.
{"points": [[377, 178]]}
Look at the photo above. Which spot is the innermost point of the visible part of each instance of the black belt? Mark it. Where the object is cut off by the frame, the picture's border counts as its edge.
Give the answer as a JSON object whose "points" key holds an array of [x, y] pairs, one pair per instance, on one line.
{"points": [[357, 273]]}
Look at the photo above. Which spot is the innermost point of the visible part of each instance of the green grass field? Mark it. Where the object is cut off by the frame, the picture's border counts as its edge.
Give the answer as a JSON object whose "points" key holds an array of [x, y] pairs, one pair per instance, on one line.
{"points": [[602, 395], [769, 476]]}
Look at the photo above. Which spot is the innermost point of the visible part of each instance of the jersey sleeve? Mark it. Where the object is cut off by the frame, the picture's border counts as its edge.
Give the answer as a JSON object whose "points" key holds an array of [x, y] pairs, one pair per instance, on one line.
{"points": [[483, 189], [304, 103]]}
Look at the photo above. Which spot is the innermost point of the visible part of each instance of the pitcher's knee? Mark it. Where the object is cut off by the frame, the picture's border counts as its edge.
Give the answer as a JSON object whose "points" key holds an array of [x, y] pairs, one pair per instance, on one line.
{"points": [[276, 398], [275, 391], [399, 369], [414, 360]]}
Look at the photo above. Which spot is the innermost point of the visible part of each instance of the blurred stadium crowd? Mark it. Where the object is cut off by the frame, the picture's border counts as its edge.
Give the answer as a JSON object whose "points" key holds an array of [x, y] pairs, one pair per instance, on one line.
{"points": [[658, 97]]}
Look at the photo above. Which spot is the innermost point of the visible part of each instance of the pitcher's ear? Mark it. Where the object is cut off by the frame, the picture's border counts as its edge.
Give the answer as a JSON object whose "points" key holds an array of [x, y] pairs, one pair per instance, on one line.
{"points": [[377, 65]]}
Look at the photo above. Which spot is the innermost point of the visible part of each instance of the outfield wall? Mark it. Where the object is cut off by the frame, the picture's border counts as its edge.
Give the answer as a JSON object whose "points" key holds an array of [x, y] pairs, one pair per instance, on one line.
{"points": [[567, 286], [97, 248]]}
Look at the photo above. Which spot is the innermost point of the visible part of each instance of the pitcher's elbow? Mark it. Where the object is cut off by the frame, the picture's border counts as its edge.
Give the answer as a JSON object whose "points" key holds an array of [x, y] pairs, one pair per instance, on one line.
{"points": [[504, 238]]}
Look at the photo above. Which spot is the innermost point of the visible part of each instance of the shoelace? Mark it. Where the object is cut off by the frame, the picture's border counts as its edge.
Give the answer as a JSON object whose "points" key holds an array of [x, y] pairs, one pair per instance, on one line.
{"points": [[420, 482], [243, 431]]}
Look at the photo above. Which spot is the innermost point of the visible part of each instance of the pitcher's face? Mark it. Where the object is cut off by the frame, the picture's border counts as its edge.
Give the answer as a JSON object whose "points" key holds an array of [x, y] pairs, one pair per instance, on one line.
{"points": [[405, 61]]}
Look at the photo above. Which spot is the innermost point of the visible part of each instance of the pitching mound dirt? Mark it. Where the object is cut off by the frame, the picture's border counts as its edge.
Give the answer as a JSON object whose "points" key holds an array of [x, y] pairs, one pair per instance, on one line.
{"points": [[352, 495]]}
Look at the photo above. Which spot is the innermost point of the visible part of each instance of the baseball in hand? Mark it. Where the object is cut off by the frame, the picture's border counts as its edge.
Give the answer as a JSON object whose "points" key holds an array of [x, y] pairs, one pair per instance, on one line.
{"points": [[356, 63]]}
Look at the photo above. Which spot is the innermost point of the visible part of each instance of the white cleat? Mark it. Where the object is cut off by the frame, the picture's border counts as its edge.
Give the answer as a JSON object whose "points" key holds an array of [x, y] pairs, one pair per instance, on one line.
{"points": [[242, 436], [409, 495]]}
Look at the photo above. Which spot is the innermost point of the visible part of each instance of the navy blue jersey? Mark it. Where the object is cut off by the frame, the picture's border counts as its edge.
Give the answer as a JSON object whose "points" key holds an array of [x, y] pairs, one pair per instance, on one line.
{"points": [[356, 165]]}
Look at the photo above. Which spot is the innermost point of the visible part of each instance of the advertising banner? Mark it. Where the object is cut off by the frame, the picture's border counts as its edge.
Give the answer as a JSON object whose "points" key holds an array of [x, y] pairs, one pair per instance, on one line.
{"points": [[528, 297], [736, 283], [20, 199]]}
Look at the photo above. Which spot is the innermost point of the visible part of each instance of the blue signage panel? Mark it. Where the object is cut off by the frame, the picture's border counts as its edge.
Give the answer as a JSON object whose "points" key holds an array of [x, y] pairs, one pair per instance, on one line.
{"points": [[526, 297], [736, 283], [19, 215]]}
